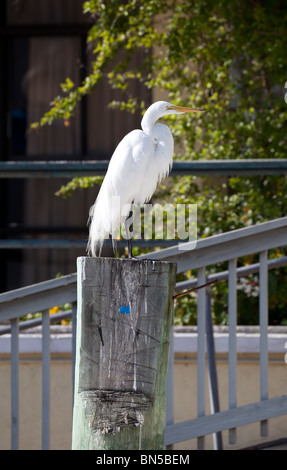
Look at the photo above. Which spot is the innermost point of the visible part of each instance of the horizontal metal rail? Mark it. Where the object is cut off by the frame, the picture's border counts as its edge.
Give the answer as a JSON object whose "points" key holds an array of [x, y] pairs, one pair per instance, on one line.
{"points": [[66, 169], [240, 272], [26, 294], [240, 416], [27, 324], [61, 243], [225, 246], [38, 297]]}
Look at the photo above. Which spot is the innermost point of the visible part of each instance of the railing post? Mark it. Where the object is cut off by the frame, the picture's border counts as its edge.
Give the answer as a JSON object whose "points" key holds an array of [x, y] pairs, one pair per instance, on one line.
{"points": [[169, 385], [45, 379], [212, 373], [232, 323], [263, 320], [201, 313], [15, 383], [74, 335], [125, 315]]}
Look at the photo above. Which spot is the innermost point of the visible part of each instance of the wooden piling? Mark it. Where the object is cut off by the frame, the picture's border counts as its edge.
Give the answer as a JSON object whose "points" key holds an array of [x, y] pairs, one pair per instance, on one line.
{"points": [[124, 319]]}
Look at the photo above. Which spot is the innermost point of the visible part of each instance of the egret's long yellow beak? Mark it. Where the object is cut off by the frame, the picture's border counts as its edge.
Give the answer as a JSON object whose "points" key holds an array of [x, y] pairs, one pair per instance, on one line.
{"points": [[182, 109]]}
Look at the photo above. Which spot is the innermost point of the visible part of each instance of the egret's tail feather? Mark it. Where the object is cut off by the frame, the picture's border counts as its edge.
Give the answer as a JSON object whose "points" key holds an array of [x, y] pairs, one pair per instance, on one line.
{"points": [[96, 240], [98, 231], [104, 217]]}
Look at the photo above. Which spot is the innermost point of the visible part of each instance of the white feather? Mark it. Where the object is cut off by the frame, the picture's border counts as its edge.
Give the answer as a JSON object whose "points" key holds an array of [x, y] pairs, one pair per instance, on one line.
{"points": [[140, 161]]}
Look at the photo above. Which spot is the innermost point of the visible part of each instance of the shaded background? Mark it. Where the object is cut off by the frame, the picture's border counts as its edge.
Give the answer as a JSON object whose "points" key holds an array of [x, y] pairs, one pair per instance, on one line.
{"points": [[41, 43]]}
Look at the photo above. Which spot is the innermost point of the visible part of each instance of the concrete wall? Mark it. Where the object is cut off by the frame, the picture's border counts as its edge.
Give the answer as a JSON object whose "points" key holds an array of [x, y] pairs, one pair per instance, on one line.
{"points": [[30, 383]]}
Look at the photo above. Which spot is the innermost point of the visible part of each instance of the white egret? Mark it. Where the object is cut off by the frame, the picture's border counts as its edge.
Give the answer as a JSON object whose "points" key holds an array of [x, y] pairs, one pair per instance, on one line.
{"points": [[141, 160]]}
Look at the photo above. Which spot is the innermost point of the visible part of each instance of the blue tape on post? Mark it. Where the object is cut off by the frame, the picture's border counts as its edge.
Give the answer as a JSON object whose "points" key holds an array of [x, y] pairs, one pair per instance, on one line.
{"points": [[125, 309]]}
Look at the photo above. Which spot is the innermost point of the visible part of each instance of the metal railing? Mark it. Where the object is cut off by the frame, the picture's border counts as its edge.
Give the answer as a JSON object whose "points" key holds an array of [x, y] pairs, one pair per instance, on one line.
{"points": [[68, 169], [229, 247], [65, 169], [36, 298], [224, 247]]}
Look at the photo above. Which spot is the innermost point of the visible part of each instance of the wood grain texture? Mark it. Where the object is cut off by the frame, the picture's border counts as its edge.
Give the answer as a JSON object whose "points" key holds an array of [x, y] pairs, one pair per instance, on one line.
{"points": [[124, 321]]}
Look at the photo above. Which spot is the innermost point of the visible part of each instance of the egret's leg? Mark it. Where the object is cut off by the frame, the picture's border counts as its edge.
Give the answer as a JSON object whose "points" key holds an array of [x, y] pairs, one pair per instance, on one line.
{"points": [[129, 232], [130, 249]]}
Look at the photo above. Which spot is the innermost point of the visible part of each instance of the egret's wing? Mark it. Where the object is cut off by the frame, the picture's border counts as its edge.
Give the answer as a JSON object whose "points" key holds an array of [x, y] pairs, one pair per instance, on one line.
{"points": [[121, 186], [160, 162], [164, 150], [138, 164]]}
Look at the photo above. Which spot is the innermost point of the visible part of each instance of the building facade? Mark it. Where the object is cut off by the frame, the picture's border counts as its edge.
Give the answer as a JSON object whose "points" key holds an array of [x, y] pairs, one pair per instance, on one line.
{"points": [[42, 42]]}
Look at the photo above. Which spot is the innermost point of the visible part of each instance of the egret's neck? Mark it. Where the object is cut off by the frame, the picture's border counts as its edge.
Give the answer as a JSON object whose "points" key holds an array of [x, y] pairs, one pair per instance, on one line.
{"points": [[149, 119]]}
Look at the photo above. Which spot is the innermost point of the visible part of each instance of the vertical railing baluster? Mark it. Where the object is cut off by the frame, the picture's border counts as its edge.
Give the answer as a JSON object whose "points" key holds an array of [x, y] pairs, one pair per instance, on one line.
{"points": [[74, 339], [201, 312], [212, 372], [232, 324], [263, 320], [169, 386], [14, 384], [45, 379]]}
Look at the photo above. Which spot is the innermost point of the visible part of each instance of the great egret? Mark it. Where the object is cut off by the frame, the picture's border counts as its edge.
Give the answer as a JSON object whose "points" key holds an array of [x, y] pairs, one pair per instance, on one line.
{"points": [[141, 160]]}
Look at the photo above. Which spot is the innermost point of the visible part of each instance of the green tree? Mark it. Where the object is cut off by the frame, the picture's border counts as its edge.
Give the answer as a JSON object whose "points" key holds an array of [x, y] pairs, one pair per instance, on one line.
{"points": [[228, 58]]}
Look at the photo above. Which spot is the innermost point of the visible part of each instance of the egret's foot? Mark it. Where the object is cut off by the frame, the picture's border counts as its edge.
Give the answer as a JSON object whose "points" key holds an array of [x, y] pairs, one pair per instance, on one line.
{"points": [[133, 257]]}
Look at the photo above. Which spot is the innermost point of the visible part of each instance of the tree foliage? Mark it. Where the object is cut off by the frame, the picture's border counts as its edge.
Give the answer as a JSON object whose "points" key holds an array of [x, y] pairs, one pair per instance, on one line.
{"points": [[228, 58]]}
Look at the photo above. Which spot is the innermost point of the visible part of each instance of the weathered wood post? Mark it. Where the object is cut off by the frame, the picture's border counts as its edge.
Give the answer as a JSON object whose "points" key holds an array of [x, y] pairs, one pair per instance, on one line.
{"points": [[124, 319]]}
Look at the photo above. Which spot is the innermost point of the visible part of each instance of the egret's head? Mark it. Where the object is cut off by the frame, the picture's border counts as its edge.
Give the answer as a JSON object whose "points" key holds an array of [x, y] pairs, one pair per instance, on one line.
{"points": [[160, 109]]}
